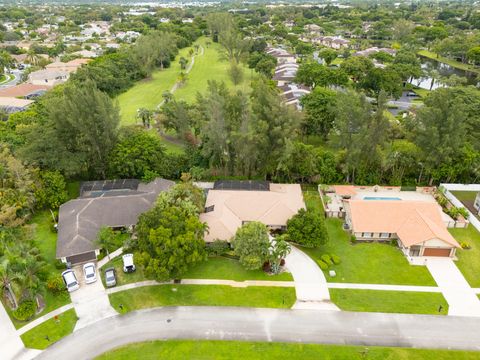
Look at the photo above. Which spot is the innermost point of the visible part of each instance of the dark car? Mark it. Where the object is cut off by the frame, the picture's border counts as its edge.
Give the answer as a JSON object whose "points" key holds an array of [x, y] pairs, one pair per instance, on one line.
{"points": [[110, 277]]}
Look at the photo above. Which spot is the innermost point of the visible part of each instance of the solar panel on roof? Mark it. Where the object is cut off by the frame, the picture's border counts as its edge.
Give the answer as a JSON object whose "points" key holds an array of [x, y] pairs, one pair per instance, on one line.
{"points": [[248, 185]]}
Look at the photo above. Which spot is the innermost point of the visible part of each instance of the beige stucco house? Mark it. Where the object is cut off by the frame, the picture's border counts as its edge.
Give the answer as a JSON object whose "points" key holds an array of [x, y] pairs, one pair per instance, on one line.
{"points": [[231, 204]]}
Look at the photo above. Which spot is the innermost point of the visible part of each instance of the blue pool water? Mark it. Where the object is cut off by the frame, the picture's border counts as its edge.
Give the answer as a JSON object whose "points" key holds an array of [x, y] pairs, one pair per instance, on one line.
{"points": [[380, 198]]}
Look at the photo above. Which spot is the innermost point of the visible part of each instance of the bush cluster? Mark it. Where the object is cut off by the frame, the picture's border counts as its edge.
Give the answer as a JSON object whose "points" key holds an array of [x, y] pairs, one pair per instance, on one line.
{"points": [[25, 311]]}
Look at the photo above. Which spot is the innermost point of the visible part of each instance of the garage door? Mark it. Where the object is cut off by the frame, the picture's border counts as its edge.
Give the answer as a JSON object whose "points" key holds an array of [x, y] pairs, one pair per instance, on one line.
{"points": [[436, 252]]}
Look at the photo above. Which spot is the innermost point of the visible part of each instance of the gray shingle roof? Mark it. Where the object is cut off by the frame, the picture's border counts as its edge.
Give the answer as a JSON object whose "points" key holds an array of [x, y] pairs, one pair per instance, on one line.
{"points": [[80, 220]]}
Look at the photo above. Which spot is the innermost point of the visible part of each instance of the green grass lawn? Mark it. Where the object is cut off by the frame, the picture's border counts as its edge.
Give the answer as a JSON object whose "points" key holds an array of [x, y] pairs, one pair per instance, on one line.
{"points": [[404, 302], [202, 295], [453, 63], [469, 260], [223, 268], [240, 350], [366, 263], [54, 329], [465, 195], [73, 189], [148, 93], [210, 66], [423, 93]]}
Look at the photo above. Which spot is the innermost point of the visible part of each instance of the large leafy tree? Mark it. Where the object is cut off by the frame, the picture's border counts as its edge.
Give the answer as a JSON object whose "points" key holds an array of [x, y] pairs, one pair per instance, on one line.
{"points": [[170, 237], [319, 111], [136, 153], [17, 186], [52, 191], [76, 133], [307, 228], [251, 244]]}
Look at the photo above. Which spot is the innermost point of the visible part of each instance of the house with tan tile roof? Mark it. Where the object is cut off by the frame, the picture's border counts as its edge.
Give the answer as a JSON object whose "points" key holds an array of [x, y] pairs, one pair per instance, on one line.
{"points": [[231, 204], [417, 225]]}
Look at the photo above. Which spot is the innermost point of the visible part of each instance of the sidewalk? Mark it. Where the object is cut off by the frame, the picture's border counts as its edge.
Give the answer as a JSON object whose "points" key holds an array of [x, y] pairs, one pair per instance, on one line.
{"points": [[10, 343]]}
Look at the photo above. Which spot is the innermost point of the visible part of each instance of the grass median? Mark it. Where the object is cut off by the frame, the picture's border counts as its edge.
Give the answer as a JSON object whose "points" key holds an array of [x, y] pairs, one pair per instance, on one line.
{"points": [[50, 331], [202, 295], [403, 302], [188, 349]]}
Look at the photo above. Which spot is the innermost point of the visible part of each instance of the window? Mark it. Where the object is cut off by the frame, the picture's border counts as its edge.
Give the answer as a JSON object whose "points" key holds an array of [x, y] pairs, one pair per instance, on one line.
{"points": [[209, 208], [384, 235], [367, 235]]}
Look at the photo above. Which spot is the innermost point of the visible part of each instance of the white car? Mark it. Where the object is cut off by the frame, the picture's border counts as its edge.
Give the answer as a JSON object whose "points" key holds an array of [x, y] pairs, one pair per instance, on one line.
{"points": [[128, 265], [70, 280], [90, 273]]}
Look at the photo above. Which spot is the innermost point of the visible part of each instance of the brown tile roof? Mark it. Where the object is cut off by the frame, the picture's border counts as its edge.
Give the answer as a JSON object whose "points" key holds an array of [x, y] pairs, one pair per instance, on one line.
{"points": [[22, 90], [413, 221]]}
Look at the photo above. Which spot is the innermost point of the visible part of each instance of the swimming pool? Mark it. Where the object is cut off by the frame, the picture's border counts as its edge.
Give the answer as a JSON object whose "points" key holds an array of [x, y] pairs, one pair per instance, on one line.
{"points": [[380, 198]]}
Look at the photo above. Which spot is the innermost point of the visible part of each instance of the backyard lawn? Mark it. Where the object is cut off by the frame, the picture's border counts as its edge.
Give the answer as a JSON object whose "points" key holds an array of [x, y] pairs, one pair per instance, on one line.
{"points": [[45, 334], [239, 350], [469, 260], [202, 295], [404, 302], [465, 195], [223, 268], [372, 263]]}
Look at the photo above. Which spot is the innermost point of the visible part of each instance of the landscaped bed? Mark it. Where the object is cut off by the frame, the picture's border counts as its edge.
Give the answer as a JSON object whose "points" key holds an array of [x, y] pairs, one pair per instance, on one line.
{"points": [[468, 260], [202, 295], [404, 302], [50, 331], [184, 349]]}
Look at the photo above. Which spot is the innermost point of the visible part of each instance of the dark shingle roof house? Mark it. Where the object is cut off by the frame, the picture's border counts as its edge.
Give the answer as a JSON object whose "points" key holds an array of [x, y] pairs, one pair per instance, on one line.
{"points": [[116, 204]]}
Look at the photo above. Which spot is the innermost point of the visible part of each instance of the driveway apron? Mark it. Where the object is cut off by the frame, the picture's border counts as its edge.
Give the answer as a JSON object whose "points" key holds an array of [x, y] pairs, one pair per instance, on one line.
{"points": [[461, 298]]}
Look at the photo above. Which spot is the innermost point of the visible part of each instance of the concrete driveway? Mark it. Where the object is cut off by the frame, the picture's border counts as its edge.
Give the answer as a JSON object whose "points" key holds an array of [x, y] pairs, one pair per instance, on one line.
{"points": [[310, 283], [90, 301], [461, 298], [250, 324]]}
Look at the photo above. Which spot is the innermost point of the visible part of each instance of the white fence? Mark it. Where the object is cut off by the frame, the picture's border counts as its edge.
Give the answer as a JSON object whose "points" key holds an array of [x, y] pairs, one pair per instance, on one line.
{"points": [[462, 187]]}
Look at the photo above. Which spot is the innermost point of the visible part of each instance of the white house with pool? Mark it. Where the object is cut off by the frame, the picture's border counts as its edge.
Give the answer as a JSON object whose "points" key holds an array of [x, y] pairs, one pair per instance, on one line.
{"points": [[413, 218]]}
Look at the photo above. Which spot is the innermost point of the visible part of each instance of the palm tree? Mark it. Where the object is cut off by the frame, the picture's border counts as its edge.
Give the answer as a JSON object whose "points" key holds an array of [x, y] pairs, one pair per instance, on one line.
{"points": [[30, 277], [6, 61], [32, 58], [146, 116], [183, 63], [8, 277]]}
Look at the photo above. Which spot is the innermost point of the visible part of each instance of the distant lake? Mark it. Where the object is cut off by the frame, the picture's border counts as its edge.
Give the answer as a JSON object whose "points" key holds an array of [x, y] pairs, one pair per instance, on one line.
{"points": [[443, 70]]}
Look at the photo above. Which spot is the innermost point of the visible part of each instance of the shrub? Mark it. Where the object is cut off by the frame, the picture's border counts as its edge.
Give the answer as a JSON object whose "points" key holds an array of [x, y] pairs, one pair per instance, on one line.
{"points": [[335, 259], [326, 259], [25, 311], [353, 239], [464, 212], [217, 248], [55, 285], [322, 265], [465, 245]]}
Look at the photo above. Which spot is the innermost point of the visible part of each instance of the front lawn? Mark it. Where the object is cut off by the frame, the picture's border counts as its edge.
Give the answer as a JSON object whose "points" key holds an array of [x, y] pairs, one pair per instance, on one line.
{"points": [[230, 269], [469, 260], [368, 263], [404, 302], [202, 295], [49, 332], [240, 350]]}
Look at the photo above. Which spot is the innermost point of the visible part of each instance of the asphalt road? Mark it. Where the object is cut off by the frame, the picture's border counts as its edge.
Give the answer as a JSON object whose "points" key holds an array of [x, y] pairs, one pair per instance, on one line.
{"points": [[250, 324]]}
